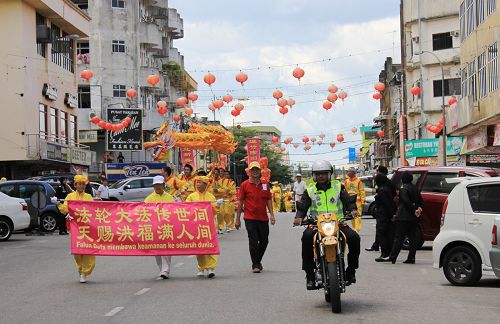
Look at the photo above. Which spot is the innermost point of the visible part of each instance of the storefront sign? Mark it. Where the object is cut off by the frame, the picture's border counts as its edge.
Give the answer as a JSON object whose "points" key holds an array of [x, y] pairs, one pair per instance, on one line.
{"points": [[118, 171], [129, 138], [476, 141], [352, 154], [430, 147], [49, 91], [253, 149], [124, 228], [484, 159], [57, 153], [82, 157], [87, 136], [70, 100], [188, 157]]}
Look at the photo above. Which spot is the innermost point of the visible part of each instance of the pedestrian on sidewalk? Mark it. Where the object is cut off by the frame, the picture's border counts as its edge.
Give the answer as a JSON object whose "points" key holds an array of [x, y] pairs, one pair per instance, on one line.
{"points": [[84, 263], [159, 195], [254, 197], [103, 190]]}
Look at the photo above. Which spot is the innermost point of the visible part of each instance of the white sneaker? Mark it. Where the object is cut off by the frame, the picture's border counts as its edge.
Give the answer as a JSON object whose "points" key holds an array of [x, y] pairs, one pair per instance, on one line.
{"points": [[164, 275], [200, 273], [211, 273], [228, 230], [83, 278], [220, 232]]}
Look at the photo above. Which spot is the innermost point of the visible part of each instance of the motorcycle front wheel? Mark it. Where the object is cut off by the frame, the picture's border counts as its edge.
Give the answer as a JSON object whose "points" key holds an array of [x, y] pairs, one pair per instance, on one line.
{"points": [[334, 287]]}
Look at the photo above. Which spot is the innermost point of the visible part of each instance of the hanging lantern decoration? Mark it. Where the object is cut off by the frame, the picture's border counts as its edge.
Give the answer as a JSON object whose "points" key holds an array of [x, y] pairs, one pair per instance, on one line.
{"points": [[380, 133], [283, 110], [379, 86], [415, 91], [298, 73], [342, 95], [153, 79], [377, 96], [101, 124], [241, 77], [86, 74], [333, 88], [319, 143], [354, 130], [313, 140], [95, 120], [288, 140], [264, 161], [188, 111], [340, 138], [131, 93], [282, 102], [305, 139], [277, 94], [161, 110], [161, 103], [193, 96], [291, 102], [127, 121], [307, 147], [227, 98], [452, 101], [182, 101], [322, 135], [327, 105], [332, 97], [275, 139], [209, 78], [295, 145], [282, 149], [235, 112], [218, 104], [211, 107], [239, 107], [177, 118]]}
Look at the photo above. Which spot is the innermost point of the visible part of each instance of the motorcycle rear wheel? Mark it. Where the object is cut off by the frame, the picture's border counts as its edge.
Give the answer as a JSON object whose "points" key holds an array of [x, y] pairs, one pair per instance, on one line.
{"points": [[334, 287]]}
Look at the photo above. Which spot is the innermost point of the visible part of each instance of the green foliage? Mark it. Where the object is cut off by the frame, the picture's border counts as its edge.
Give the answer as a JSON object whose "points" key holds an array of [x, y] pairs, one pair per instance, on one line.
{"points": [[172, 69]]}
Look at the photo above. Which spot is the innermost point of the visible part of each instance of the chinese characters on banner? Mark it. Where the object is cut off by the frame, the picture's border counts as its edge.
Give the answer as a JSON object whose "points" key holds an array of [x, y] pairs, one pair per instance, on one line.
{"points": [[122, 228], [187, 157], [253, 149]]}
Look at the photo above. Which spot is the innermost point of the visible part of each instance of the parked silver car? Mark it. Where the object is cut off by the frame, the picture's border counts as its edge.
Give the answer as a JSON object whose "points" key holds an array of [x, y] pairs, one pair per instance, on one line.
{"points": [[495, 247], [369, 206], [131, 189]]}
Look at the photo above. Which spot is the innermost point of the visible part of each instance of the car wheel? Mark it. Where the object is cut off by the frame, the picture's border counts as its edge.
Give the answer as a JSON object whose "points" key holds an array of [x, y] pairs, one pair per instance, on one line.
{"points": [[48, 222], [462, 266], [6, 229], [372, 210], [418, 236]]}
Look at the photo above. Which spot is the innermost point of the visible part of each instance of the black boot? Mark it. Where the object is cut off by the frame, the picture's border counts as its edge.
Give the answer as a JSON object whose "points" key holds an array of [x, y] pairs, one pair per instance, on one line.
{"points": [[310, 283], [350, 276]]}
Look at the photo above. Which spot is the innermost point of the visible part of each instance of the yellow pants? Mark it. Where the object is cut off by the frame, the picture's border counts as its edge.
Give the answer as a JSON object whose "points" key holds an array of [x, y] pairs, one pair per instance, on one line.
{"points": [[225, 216], [206, 262], [288, 206], [84, 263], [276, 206], [356, 222]]}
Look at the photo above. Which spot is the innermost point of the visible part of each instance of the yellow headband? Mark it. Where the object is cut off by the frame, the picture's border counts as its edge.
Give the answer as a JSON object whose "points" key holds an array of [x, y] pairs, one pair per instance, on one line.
{"points": [[81, 178], [203, 179]]}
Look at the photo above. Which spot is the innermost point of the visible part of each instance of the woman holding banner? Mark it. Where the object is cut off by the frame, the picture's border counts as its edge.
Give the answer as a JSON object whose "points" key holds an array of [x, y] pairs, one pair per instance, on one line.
{"points": [[84, 263]]}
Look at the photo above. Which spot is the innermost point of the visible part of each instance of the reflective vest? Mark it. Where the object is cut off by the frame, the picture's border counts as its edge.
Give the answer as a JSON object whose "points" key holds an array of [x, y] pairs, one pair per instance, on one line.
{"points": [[326, 201]]}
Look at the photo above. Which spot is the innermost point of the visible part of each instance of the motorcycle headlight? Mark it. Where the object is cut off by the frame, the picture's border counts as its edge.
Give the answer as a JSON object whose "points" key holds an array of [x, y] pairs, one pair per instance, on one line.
{"points": [[328, 228]]}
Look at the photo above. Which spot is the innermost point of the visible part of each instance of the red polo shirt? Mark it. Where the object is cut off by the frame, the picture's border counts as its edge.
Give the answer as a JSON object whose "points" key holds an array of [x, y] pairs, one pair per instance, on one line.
{"points": [[254, 198]]}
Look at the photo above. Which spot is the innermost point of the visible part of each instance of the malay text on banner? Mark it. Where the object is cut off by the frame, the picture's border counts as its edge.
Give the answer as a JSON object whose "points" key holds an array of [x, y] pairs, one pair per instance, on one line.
{"points": [[123, 228]]}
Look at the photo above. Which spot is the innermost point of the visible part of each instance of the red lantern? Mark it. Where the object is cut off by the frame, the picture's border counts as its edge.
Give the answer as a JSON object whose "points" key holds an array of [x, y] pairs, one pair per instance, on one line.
{"points": [[131, 93], [298, 73], [307, 147], [305, 139], [108, 126], [95, 120], [209, 78], [241, 77], [327, 105], [415, 91], [86, 74], [161, 110], [291, 102], [313, 139], [177, 118], [354, 130], [282, 102], [153, 79], [115, 128], [127, 120], [340, 138], [295, 145], [380, 133], [332, 144], [319, 143], [452, 101], [193, 96], [379, 86], [264, 161], [333, 88], [211, 107], [102, 124], [342, 95], [275, 139], [322, 135], [161, 103], [218, 104], [239, 107], [277, 94], [283, 110], [227, 98], [188, 111], [182, 101], [235, 112], [377, 96], [332, 97]]}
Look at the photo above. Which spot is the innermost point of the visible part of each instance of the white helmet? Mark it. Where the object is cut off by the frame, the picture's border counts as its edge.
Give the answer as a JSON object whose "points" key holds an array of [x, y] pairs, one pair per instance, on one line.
{"points": [[322, 166]]}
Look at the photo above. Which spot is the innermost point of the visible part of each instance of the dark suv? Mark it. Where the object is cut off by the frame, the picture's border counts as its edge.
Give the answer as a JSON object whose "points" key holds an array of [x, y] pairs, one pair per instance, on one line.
{"points": [[432, 183], [24, 189]]}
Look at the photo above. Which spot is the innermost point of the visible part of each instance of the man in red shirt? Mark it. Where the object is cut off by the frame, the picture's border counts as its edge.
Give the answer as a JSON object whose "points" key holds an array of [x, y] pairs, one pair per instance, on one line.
{"points": [[254, 197]]}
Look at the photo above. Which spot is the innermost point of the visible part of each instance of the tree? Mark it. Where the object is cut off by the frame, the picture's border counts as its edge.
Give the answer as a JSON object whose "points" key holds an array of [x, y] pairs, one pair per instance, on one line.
{"points": [[279, 171]]}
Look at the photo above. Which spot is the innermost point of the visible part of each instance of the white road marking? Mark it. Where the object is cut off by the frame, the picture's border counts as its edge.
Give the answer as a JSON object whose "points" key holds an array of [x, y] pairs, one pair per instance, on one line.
{"points": [[178, 265], [142, 291], [114, 311]]}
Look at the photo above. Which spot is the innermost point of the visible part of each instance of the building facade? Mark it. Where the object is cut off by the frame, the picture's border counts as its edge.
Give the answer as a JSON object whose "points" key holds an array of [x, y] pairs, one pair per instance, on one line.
{"points": [[38, 85]]}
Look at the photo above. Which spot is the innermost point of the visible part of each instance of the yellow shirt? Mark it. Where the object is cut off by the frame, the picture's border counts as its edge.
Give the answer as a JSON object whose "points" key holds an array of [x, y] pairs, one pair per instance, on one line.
{"points": [[156, 198], [173, 185], [63, 208], [200, 196], [218, 188], [188, 186], [355, 186], [230, 192]]}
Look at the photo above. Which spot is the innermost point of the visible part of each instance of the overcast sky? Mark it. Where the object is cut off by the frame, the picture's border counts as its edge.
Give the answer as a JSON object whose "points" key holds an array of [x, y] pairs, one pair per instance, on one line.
{"points": [[352, 37]]}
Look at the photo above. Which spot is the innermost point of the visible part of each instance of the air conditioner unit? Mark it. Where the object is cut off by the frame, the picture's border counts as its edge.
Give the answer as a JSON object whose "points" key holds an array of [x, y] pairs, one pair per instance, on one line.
{"points": [[455, 33], [43, 34], [415, 39]]}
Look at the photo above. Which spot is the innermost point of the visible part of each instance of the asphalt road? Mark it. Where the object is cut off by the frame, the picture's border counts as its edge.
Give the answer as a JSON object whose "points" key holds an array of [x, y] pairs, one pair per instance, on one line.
{"points": [[39, 284]]}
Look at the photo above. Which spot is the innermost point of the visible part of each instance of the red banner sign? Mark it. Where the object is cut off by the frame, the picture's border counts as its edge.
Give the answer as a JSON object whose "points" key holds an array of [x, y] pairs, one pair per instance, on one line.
{"points": [[187, 157], [253, 149], [123, 228]]}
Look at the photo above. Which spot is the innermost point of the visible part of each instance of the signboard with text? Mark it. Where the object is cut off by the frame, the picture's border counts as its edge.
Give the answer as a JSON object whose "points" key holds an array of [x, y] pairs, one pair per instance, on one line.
{"points": [[253, 149], [128, 138], [430, 147], [118, 171], [187, 157]]}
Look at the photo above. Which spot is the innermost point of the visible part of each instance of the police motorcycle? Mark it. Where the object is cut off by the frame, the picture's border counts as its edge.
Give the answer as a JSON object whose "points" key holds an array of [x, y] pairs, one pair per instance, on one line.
{"points": [[329, 250]]}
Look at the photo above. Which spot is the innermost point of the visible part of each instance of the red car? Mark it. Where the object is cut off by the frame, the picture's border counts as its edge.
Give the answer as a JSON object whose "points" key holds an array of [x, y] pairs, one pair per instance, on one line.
{"points": [[432, 183]]}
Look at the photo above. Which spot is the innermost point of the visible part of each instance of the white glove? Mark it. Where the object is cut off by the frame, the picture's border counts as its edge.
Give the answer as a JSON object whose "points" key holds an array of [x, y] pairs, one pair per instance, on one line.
{"points": [[69, 217], [219, 202], [53, 200]]}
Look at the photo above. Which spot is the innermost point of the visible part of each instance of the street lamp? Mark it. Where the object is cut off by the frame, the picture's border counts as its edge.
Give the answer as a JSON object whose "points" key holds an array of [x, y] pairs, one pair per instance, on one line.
{"points": [[443, 106], [234, 156]]}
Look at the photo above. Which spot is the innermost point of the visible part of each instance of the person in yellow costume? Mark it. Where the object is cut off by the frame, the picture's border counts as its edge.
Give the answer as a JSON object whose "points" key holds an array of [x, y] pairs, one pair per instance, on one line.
{"points": [[276, 196], [354, 186], [206, 263], [160, 195], [227, 207], [188, 179], [217, 187], [288, 200], [84, 263], [173, 185]]}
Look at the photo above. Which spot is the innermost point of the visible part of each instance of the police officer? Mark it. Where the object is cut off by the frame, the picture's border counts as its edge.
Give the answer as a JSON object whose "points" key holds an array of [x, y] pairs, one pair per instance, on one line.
{"points": [[327, 195]]}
